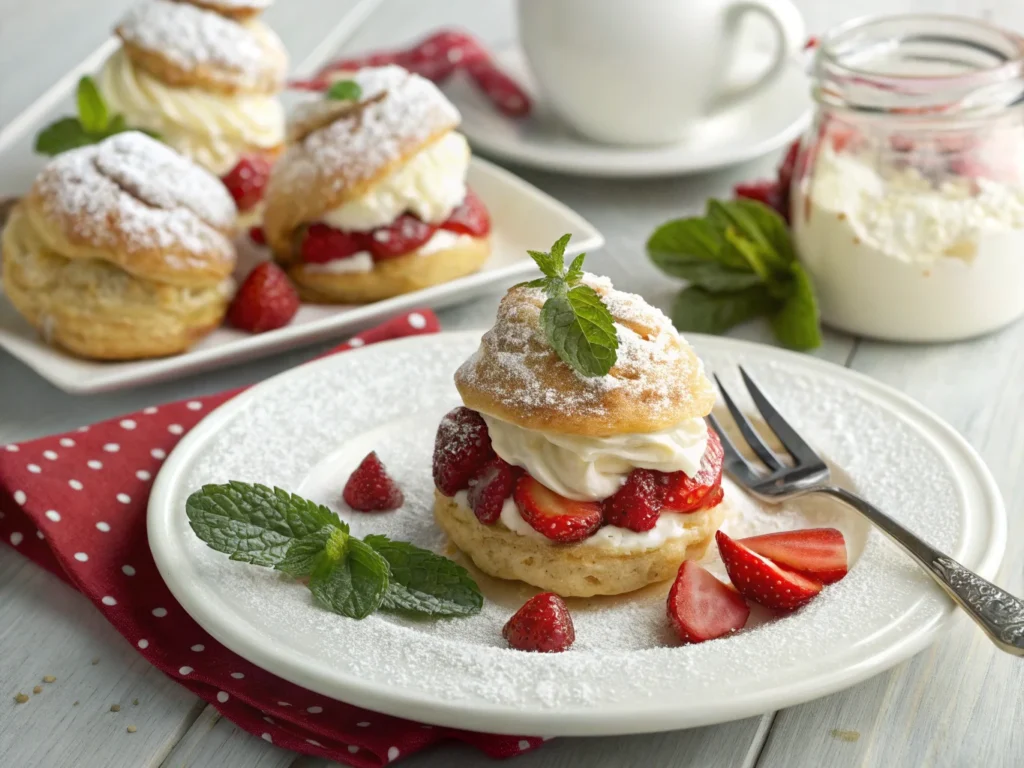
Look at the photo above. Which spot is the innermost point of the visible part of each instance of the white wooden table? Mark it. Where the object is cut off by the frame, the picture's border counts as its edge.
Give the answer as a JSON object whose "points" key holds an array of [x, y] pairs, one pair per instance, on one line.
{"points": [[959, 703]]}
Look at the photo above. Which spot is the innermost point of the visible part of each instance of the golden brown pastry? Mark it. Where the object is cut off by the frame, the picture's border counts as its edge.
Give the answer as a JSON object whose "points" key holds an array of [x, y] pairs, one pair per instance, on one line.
{"points": [[580, 485], [121, 250], [370, 199]]}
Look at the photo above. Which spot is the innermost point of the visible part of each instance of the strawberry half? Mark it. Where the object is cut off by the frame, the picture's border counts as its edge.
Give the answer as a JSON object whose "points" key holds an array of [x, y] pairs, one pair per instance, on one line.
{"points": [[560, 519], [700, 607], [470, 217], [322, 244], [247, 180], [265, 301], [818, 553], [637, 505], [403, 236], [761, 580], [370, 488], [543, 624], [462, 446], [490, 486], [682, 493]]}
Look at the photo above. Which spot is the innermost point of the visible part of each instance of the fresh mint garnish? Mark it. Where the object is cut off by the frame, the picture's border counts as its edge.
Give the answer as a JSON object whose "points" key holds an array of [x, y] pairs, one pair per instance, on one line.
{"points": [[740, 263], [276, 529], [93, 124], [344, 90], [575, 320], [424, 583]]}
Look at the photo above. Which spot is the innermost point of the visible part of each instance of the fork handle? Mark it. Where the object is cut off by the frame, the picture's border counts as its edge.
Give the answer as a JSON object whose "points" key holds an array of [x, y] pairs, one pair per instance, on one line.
{"points": [[996, 611]]}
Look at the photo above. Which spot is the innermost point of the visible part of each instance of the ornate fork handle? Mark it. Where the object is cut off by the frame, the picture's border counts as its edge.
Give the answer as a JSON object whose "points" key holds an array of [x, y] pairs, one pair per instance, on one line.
{"points": [[996, 611]]}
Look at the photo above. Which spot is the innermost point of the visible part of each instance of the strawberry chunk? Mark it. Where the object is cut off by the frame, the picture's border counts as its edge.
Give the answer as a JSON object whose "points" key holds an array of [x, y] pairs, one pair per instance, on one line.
{"points": [[370, 488], [322, 244], [818, 553], [768, 192], [682, 493], [714, 498], [560, 519], [247, 180], [461, 447], [257, 235], [761, 580], [490, 486], [470, 217], [543, 624], [265, 301], [403, 236], [637, 505], [700, 607]]}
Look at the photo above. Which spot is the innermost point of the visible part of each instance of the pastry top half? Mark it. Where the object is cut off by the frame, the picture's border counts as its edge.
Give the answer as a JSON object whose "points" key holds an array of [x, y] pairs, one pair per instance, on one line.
{"points": [[516, 376], [234, 9], [186, 45], [132, 202], [340, 150]]}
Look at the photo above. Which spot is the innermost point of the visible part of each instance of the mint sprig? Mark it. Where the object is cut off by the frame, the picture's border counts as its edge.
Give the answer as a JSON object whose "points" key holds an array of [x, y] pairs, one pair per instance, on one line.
{"points": [[93, 123], [740, 263], [276, 529], [575, 320], [344, 90]]}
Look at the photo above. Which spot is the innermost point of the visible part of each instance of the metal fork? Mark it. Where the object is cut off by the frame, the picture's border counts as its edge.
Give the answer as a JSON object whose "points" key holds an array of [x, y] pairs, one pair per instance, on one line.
{"points": [[996, 611]]}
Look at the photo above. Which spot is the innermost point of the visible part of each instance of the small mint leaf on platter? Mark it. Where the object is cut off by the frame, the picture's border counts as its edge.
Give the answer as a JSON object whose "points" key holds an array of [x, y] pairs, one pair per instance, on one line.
{"points": [[760, 225], [424, 583], [796, 324], [303, 554], [689, 240], [345, 90], [581, 330], [701, 311], [352, 584], [92, 110], [62, 135]]}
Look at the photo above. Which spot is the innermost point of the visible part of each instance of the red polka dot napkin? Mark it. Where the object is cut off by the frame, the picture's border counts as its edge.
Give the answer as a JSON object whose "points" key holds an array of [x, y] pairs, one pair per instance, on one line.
{"points": [[76, 505], [436, 58]]}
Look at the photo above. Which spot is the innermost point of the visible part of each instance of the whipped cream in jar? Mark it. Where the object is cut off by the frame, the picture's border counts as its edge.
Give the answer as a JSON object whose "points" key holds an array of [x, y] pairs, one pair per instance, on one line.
{"points": [[908, 196]]}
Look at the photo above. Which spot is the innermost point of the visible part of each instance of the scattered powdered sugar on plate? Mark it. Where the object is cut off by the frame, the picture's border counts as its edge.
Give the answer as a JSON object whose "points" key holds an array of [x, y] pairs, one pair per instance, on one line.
{"points": [[307, 430]]}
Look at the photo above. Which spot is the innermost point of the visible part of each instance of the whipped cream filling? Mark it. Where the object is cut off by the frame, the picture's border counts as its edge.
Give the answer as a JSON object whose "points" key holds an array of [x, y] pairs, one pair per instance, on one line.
{"points": [[214, 129], [363, 262], [430, 185], [593, 468]]}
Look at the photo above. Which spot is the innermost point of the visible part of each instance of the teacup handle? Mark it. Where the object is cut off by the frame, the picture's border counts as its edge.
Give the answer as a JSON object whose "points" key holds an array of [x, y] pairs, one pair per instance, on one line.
{"points": [[790, 33]]}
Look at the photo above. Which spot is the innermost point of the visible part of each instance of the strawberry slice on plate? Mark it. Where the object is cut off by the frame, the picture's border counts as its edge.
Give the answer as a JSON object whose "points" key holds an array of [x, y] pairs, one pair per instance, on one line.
{"points": [[637, 504], [461, 447], [470, 217], [682, 493], [543, 624], [560, 519], [761, 580], [700, 607], [370, 488], [818, 553], [247, 180], [322, 244], [403, 236], [265, 301], [490, 486]]}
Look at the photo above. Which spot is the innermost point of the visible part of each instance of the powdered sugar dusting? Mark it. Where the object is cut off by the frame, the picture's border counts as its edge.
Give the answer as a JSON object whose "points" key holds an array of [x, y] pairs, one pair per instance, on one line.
{"points": [[308, 430]]}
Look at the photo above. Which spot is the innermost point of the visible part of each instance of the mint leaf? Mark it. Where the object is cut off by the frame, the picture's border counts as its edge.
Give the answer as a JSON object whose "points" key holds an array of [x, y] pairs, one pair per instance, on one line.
{"points": [[581, 330], [558, 251], [760, 225], [575, 273], [64, 134], [254, 523], [707, 274], [755, 257], [425, 583], [303, 554], [547, 264], [345, 90], [701, 311], [796, 323], [540, 282], [353, 584], [92, 110], [695, 239]]}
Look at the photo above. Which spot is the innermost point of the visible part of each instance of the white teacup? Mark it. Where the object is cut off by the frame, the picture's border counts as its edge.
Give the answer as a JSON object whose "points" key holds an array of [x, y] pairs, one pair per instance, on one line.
{"points": [[646, 71]]}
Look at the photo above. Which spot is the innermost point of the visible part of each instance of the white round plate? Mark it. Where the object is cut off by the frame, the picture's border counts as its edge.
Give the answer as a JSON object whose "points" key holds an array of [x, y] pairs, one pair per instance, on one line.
{"points": [[306, 429], [769, 120]]}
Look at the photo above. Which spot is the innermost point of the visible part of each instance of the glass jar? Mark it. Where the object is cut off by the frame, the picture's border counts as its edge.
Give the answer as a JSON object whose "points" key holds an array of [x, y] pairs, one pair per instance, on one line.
{"points": [[908, 194]]}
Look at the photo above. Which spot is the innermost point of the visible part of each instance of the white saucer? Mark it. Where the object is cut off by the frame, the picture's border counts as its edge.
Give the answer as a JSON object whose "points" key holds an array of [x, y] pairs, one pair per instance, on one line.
{"points": [[766, 122], [306, 429]]}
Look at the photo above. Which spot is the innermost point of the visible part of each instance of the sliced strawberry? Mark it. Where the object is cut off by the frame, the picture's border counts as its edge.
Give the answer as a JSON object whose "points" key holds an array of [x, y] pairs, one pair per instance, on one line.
{"points": [[370, 488], [787, 169], [543, 624], [715, 497], [767, 192], [322, 244], [470, 218], [461, 447], [637, 505], [761, 580], [560, 519], [403, 236], [257, 235], [265, 301], [818, 553], [701, 607], [247, 180], [490, 486], [682, 493]]}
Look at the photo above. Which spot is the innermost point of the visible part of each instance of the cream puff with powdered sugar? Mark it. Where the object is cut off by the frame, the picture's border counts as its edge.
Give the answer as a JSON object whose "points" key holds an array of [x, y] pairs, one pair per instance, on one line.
{"points": [[370, 199], [580, 485], [204, 76]]}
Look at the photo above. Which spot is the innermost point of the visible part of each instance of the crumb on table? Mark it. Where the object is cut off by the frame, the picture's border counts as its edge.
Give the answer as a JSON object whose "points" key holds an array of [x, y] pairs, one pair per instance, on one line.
{"points": [[115, 707], [850, 736], [131, 729], [20, 698], [37, 689], [49, 679]]}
